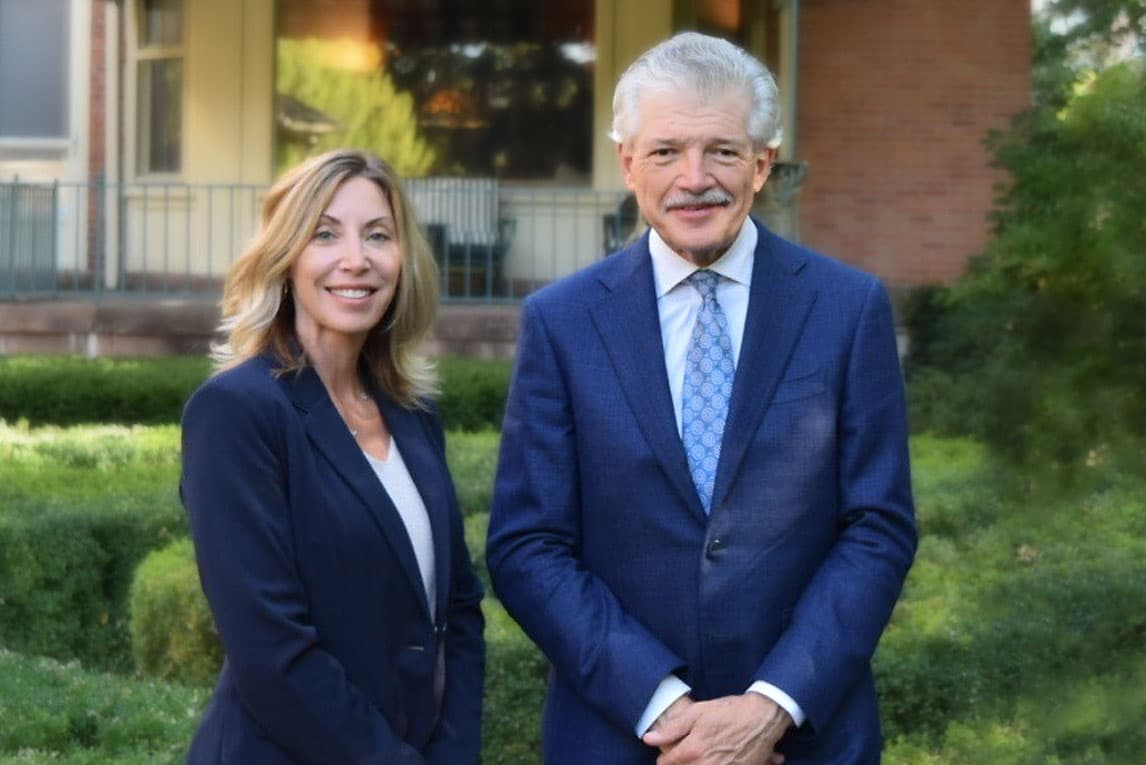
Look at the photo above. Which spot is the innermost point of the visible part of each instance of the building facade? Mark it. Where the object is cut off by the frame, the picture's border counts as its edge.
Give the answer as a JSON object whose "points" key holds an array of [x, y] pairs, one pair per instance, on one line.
{"points": [[136, 136]]}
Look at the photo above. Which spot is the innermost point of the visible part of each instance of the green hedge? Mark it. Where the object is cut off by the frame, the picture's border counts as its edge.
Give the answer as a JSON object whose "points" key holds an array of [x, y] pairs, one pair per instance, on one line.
{"points": [[78, 510], [61, 714], [67, 390], [173, 636], [80, 507]]}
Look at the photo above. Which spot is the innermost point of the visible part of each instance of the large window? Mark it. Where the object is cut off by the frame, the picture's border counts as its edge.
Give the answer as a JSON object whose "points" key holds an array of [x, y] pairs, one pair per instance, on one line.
{"points": [[34, 48], [440, 87], [159, 86]]}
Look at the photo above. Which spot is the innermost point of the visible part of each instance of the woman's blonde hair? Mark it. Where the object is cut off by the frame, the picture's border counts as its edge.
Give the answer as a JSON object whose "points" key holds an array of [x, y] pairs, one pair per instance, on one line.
{"points": [[258, 314]]}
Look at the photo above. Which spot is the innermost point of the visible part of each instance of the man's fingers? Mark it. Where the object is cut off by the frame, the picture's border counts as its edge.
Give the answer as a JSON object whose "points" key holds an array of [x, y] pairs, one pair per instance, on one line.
{"points": [[667, 733]]}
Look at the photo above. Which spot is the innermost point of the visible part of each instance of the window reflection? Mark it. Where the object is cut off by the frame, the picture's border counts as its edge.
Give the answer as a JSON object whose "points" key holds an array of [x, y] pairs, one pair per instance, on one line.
{"points": [[500, 88]]}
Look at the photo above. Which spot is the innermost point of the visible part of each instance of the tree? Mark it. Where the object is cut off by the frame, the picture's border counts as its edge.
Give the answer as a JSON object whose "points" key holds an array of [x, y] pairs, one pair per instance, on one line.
{"points": [[369, 111], [1042, 345]]}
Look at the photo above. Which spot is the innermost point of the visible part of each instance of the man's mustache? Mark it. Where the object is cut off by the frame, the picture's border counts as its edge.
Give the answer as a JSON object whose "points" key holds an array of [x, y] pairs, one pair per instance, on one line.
{"points": [[688, 199]]}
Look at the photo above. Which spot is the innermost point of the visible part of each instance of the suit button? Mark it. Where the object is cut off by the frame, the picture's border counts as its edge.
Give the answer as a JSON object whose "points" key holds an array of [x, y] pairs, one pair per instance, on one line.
{"points": [[715, 547]]}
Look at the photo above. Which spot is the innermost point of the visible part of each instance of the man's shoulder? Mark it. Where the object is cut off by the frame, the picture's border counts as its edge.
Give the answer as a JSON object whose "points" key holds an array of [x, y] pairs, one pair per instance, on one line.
{"points": [[824, 269], [586, 286]]}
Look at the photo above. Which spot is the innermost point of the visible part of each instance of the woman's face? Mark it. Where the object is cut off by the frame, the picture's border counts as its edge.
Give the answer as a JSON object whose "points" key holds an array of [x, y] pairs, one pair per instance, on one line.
{"points": [[344, 280]]}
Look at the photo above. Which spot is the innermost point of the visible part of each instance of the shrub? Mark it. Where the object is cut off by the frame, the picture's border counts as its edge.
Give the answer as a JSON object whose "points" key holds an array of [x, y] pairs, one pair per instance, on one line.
{"points": [[173, 636], [1018, 633], [473, 392], [79, 508], [60, 713], [1043, 341], [65, 390], [68, 390]]}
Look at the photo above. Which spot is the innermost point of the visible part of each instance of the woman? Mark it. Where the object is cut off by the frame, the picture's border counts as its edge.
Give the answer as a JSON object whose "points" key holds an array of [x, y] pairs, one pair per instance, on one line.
{"points": [[326, 527]]}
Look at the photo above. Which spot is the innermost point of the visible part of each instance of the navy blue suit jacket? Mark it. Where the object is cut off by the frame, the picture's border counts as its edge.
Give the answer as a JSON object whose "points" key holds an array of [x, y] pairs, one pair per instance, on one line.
{"points": [[599, 546], [332, 654]]}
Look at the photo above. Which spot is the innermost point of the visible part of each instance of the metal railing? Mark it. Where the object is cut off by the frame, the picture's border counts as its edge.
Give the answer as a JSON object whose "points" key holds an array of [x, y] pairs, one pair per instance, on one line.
{"points": [[493, 242]]}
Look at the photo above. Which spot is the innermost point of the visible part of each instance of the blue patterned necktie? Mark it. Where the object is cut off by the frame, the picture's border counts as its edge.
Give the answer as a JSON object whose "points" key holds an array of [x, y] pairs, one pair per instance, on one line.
{"points": [[708, 372]]}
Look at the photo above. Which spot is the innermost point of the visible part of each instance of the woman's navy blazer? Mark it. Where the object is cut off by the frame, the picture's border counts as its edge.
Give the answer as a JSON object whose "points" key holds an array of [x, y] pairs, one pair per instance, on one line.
{"points": [[332, 654]]}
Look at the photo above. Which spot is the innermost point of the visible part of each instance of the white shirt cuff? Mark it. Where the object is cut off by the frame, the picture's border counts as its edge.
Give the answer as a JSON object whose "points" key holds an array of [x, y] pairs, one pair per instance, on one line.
{"points": [[786, 702], [670, 689]]}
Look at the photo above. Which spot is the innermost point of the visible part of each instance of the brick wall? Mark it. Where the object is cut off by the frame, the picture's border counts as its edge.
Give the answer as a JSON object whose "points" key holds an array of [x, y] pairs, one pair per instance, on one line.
{"points": [[97, 126], [895, 99], [97, 79]]}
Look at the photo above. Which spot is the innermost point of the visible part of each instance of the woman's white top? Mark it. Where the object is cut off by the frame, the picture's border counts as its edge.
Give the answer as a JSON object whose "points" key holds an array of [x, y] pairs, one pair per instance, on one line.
{"points": [[400, 486]]}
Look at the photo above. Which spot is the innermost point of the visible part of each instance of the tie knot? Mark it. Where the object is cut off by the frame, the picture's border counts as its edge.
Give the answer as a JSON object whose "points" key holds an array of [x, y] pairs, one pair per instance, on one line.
{"points": [[705, 282]]}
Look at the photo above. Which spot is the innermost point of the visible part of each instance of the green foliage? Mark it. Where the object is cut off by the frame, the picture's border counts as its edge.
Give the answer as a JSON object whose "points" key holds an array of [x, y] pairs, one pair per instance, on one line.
{"points": [[1018, 638], [472, 458], [60, 713], [65, 390], [78, 509], [372, 114], [515, 680], [473, 392], [1099, 27], [173, 635], [1041, 348], [68, 390]]}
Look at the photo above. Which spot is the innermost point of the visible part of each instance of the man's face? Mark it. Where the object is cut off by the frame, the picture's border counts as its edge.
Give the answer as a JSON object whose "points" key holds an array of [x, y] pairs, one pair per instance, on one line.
{"points": [[694, 170]]}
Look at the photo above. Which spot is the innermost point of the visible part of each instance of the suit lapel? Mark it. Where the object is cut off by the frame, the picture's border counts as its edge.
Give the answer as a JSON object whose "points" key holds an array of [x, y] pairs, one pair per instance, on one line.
{"points": [[425, 468], [333, 441], [629, 325], [778, 306]]}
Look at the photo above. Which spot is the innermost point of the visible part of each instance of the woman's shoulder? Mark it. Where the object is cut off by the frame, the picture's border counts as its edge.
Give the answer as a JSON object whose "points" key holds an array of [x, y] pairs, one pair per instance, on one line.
{"points": [[251, 385]]}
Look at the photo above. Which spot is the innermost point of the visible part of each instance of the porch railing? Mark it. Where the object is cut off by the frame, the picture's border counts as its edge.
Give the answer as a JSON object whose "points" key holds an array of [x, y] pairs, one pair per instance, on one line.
{"points": [[492, 242]]}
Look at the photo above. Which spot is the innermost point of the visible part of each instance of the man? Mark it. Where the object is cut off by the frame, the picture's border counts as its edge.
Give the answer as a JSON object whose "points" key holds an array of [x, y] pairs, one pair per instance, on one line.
{"points": [[703, 511]]}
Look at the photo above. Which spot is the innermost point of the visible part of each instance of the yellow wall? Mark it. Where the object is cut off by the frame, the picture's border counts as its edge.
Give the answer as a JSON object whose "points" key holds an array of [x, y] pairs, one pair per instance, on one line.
{"points": [[625, 29], [229, 70]]}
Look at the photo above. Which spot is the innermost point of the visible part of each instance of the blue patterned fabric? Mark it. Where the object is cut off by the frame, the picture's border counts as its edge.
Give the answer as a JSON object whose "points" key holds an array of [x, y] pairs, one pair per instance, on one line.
{"points": [[707, 387]]}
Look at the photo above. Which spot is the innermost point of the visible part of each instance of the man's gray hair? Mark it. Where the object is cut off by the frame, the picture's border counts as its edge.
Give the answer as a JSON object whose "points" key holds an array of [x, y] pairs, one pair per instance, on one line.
{"points": [[707, 65]]}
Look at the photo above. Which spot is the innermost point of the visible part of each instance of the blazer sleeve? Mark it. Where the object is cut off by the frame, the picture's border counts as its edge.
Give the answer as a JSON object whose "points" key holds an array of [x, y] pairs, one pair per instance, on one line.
{"points": [[457, 738], [843, 610], [235, 488], [605, 655]]}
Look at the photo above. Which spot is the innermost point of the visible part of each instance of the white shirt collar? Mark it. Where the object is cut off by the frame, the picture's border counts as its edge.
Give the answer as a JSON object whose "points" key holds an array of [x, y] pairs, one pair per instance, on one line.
{"points": [[670, 269]]}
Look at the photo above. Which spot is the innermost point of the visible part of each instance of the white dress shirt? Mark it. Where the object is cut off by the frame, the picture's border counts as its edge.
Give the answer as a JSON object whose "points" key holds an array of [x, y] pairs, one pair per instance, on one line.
{"points": [[678, 304]]}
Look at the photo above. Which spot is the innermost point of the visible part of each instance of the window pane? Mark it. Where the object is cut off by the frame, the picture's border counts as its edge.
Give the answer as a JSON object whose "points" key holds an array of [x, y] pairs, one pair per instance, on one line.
{"points": [[440, 87], [161, 23], [160, 115], [34, 52]]}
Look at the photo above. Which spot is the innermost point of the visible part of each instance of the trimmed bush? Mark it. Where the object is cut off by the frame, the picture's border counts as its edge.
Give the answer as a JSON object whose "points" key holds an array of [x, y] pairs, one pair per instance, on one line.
{"points": [[473, 392], [59, 713], [68, 390], [79, 508], [173, 636]]}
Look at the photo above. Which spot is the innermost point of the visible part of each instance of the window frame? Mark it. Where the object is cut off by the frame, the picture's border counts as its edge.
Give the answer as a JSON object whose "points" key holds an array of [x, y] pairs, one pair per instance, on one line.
{"points": [[137, 128]]}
